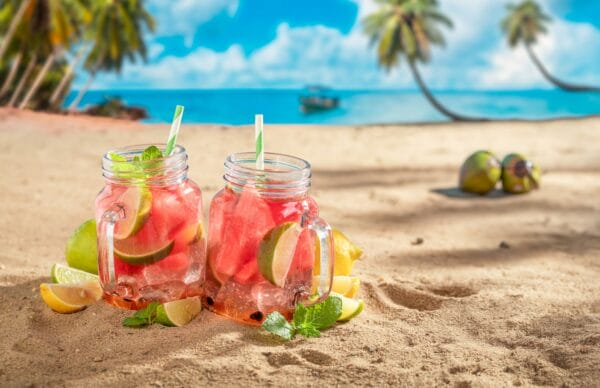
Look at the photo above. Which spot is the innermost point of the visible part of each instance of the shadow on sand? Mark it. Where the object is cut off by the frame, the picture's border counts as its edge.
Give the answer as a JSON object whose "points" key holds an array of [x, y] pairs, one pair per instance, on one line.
{"points": [[455, 192]]}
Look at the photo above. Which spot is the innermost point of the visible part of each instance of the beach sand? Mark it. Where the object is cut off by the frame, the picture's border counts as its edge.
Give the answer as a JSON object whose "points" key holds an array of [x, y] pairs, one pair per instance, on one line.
{"points": [[456, 310]]}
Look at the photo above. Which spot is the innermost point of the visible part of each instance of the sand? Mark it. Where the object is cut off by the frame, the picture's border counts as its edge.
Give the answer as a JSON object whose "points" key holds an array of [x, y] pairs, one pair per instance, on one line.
{"points": [[456, 310]]}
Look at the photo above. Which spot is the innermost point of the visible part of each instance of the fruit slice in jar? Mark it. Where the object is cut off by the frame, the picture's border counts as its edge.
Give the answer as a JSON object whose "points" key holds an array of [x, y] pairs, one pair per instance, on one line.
{"points": [[137, 201], [276, 252], [135, 253]]}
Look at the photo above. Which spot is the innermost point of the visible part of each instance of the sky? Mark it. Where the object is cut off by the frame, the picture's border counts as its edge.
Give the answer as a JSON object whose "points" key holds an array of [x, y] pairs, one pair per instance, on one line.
{"points": [[204, 44]]}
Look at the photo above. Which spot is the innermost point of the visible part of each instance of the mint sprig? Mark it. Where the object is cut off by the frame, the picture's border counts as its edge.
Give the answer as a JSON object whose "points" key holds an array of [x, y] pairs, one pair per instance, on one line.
{"points": [[307, 321], [143, 317], [125, 168]]}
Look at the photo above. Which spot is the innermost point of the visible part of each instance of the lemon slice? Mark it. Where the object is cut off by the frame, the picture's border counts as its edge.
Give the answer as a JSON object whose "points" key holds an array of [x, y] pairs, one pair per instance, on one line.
{"points": [[343, 285], [276, 252], [346, 253], [179, 312], [70, 298], [66, 275], [350, 307]]}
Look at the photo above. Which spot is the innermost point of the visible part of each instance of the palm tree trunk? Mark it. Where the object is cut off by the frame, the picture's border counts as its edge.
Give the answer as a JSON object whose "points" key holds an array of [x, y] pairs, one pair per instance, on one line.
{"points": [[23, 80], [553, 80], [38, 80], [11, 74], [442, 109], [82, 92], [63, 82], [13, 27]]}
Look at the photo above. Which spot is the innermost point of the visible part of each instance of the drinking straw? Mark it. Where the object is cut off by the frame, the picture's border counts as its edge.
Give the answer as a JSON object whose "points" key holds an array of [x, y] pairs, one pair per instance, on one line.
{"points": [[258, 137], [174, 130]]}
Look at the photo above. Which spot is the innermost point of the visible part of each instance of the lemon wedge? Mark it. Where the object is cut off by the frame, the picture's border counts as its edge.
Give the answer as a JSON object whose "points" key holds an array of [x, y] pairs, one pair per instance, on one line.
{"points": [[70, 298]]}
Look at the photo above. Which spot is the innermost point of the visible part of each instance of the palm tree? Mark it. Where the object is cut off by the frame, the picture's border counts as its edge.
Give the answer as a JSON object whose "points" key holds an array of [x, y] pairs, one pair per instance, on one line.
{"points": [[408, 28], [523, 24], [58, 26], [118, 26], [14, 22]]}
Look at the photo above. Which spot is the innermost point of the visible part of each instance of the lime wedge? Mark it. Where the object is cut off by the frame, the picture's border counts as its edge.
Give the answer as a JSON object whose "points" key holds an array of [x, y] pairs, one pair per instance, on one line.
{"points": [[70, 298], [81, 251], [350, 307], [66, 275], [138, 204], [179, 312], [276, 252], [133, 252]]}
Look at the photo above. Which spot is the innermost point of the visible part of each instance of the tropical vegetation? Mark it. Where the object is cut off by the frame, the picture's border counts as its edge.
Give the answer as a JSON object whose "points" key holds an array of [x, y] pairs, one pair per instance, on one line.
{"points": [[43, 42], [524, 23], [407, 29]]}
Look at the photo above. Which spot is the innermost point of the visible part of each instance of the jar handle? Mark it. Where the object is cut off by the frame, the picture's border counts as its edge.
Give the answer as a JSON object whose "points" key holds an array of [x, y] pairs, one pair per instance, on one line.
{"points": [[326, 253], [106, 231]]}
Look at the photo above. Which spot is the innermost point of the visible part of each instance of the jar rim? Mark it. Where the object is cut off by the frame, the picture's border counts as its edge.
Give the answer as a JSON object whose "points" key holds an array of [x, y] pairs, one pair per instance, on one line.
{"points": [[136, 149], [284, 175], [159, 171], [295, 164]]}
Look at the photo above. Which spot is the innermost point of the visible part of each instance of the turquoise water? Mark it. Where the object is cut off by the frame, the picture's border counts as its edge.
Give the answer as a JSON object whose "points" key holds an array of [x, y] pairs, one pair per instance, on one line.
{"points": [[238, 106]]}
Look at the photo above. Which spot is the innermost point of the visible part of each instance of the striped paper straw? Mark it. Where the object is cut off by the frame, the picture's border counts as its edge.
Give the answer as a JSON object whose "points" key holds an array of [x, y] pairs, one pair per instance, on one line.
{"points": [[258, 138], [174, 130]]}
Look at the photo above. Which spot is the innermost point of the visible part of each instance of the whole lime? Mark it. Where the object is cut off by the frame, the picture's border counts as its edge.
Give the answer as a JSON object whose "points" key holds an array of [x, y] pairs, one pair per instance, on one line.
{"points": [[82, 251]]}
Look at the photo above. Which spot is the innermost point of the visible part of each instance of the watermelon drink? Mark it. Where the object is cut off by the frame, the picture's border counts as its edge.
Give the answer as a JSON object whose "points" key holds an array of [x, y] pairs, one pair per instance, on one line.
{"points": [[151, 242], [263, 228]]}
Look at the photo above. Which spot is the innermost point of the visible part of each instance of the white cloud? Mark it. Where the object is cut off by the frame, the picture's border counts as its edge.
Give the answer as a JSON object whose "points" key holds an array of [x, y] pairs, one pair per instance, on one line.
{"points": [[318, 54], [182, 17]]}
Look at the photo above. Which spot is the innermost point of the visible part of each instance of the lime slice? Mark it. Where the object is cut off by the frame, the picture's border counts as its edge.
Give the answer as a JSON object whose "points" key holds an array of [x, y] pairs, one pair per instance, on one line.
{"points": [[81, 251], [276, 252], [343, 285], [70, 298], [133, 252], [66, 275], [350, 307], [179, 312], [138, 204]]}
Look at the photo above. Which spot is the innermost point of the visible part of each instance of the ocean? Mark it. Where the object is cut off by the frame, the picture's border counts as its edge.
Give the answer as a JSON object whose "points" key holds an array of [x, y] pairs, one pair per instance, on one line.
{"points": [[238, 106]]}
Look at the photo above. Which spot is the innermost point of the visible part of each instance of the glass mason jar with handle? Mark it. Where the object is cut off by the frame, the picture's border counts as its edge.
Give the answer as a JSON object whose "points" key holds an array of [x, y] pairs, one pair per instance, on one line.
{"points": [[261, 240], [151, 242]]}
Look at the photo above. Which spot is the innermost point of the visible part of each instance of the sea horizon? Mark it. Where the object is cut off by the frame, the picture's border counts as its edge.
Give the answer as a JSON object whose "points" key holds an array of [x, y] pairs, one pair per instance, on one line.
{"points": [[237, 106]]}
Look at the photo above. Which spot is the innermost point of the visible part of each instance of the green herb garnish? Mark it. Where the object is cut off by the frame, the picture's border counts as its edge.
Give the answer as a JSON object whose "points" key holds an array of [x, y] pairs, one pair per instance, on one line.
{"points": [[137, 165], [307, 321], [143, 317]]}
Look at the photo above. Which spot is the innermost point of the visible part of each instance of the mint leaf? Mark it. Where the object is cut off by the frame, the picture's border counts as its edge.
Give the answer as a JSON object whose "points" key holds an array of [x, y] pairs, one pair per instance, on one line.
{"points": [[143, 317], [308, 321], [151, 153], [319, 316], [116, 157], [277, 324], [134, 322], [326, 313], [309, 331]]}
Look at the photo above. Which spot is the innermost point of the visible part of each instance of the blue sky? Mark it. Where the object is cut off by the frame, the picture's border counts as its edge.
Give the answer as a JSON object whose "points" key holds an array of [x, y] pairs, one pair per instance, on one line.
{"points": [[287, 44]]}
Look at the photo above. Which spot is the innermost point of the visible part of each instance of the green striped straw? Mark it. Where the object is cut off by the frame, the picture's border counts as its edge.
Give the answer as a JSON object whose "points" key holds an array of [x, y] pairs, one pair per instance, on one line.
{"points": [[174, 130], [258, 138]]}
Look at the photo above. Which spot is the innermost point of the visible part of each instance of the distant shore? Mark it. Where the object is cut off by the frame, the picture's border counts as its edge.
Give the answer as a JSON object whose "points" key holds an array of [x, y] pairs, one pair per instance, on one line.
{"points": [[457, 309], [357, 107]]}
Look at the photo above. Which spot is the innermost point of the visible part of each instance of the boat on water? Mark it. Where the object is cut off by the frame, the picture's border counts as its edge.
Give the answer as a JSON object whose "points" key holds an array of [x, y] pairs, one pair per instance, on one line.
{"points": [[318, 99]]}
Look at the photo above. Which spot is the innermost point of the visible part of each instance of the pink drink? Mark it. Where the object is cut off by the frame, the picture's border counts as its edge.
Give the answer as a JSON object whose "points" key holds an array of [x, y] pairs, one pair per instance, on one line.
{"points": [[241, 215], [158, 242]]}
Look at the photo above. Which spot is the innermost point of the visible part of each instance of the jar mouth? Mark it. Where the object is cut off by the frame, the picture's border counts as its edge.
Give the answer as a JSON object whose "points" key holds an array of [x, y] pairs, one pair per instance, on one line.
{"points": [[282, 176], [119, 166]]}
